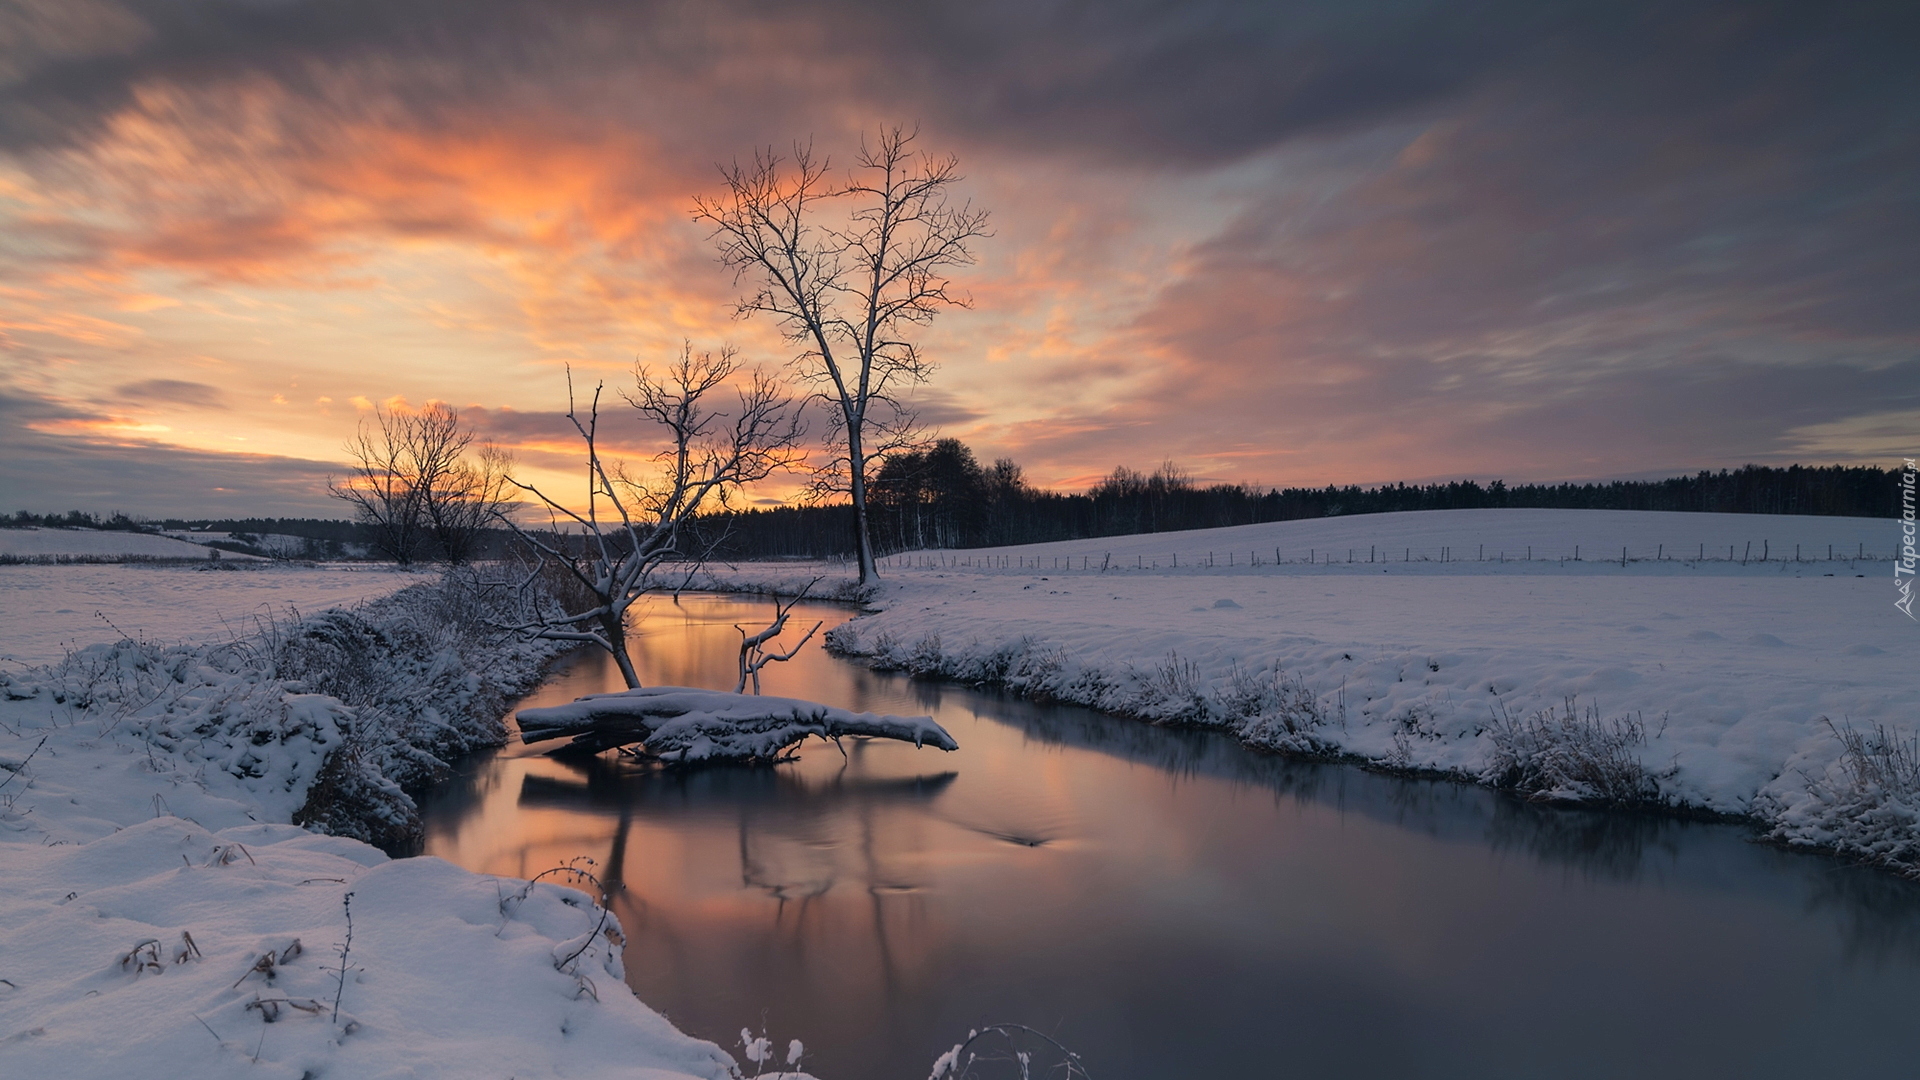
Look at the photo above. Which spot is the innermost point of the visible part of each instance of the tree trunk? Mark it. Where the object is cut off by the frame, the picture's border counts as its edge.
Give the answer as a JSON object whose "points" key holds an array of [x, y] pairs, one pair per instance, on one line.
{"points": [[857, 468], [615, 627]]}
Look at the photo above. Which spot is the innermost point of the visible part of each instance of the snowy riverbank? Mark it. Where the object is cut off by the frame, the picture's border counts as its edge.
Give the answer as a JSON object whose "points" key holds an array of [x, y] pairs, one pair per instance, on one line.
{"points": [[1681, 683], [160, 916]]}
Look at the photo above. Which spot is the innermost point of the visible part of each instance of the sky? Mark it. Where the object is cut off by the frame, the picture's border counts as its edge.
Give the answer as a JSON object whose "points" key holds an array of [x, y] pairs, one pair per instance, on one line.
{"points": [[1275, 242]]}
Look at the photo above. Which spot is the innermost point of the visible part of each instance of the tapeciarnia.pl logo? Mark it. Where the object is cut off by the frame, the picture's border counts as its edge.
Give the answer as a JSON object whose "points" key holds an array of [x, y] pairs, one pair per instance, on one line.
{"points": [[1903, 565]]}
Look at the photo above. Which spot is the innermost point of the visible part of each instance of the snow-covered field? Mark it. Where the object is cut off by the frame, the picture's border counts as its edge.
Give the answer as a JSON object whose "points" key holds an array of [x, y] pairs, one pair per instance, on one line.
{"points": [[45, 610], [159, 915], [104, 544], [154, 890], [1494, 539], [1671, 681]]}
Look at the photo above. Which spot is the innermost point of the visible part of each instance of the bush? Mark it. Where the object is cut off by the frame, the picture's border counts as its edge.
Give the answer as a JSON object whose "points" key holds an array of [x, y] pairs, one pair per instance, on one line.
{"points": [[1865, 806], [1274, 711], [1563, 755]]}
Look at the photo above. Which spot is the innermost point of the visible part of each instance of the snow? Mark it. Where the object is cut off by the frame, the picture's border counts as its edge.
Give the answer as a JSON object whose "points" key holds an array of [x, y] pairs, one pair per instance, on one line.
{"points": [[1726, 671], [45, 610], [154, 890], [1599, 535], [450, 974], [278, 545], [160, 917], [682, 724], [104, 543]]}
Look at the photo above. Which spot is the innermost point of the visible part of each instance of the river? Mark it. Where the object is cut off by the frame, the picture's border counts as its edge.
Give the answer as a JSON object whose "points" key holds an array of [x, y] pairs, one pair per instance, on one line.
{"points": [[1169, 904]]}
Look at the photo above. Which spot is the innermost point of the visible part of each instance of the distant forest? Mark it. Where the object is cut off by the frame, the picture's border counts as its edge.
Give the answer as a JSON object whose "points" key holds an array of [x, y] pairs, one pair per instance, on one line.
{"points": [[944, 498]]}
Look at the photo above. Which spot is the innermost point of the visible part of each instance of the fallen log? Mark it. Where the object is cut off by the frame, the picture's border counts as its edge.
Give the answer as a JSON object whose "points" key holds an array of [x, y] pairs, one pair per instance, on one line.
{"points": [[680, 724]]}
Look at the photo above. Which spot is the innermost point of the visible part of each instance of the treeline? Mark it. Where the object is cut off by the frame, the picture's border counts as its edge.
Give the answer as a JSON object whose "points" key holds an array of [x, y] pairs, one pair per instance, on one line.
{"points": [[75, 519], [944, 498], [343, 532]]}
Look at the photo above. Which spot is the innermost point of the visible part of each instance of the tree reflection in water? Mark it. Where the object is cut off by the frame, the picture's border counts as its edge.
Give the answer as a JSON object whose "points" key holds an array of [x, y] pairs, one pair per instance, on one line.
{"points": [[1150, 895]]}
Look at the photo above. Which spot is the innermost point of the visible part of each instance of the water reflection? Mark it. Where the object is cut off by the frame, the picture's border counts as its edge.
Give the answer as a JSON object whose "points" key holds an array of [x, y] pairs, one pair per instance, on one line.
{"points": [[1171, 905]]}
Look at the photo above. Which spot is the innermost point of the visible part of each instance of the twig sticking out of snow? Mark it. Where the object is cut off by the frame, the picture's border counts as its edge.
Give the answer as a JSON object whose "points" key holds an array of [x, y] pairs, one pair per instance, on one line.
{"points": [[345, 948], [958, 1063]]}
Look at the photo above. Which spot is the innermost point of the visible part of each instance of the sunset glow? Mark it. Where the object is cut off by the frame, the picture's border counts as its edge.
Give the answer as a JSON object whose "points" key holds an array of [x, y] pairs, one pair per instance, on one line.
{"points": [[1253, 239]]}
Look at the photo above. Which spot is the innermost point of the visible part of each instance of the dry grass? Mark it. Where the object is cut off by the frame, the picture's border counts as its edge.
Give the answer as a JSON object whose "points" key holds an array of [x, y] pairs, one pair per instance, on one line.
{"points": [[1275, 710], [1865, 807], [1171, 693], [1568, 755]]}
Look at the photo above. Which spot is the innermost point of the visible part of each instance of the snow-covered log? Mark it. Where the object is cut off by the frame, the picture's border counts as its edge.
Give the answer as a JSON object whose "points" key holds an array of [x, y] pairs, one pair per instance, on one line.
{"points": [[680, 724]]}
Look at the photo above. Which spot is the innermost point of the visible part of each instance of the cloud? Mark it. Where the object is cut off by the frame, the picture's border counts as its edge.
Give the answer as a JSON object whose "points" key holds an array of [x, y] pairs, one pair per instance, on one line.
{"points": [[45, 471], [1554, 286], [172, 392], [1288, 241]]}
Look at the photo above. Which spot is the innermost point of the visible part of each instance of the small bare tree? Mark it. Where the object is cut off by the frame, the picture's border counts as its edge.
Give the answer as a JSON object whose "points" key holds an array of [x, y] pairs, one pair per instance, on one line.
{"points": [[850, 293], [416, 484], [753, 647], [382, 488], [466, 501], [631, 529]]}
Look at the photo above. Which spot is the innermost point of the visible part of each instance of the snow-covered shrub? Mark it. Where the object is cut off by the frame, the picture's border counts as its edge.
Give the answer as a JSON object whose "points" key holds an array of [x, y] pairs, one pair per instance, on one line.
{"points": [[326, 719], [843, 640], [1416, 721], [351, 798], [1008, 1050], [428, 675], [1170, 693], [1556, 755], [1273, 710], [1866, 805], [200, 708], [1036, 672], [927, 657]]}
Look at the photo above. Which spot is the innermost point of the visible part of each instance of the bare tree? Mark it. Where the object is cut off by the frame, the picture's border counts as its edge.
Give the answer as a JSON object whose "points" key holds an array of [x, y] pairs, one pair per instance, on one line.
{"points": [[415, 483], [382, 488], [466, 501], [631, 529], [850, 293]]}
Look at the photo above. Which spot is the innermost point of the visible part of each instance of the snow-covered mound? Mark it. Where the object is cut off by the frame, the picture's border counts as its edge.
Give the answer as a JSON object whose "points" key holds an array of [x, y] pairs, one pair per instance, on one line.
{"points": [[35, 543], [683, 724], [167, 950]]}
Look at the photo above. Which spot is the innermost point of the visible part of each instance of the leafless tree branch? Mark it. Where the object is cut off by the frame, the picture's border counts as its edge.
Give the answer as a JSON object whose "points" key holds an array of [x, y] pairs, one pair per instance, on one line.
{"points": [[849, 295], [617, 549]]}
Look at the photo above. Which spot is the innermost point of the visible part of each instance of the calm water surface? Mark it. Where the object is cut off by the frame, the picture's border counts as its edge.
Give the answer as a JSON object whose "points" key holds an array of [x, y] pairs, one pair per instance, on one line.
{"points": [[1171, 905]]}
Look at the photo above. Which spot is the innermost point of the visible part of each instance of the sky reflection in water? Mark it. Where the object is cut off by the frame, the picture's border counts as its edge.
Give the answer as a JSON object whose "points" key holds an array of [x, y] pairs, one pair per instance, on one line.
{"points": [[1171, 905]]}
